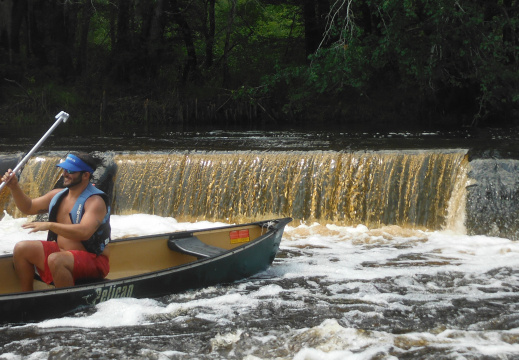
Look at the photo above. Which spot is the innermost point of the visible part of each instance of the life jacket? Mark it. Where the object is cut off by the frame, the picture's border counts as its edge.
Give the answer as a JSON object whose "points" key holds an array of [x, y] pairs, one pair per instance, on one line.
{"points": [[97, 242]]}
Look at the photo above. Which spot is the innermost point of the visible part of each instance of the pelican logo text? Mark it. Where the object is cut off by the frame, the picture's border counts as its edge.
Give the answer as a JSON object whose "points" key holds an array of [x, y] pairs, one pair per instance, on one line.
{"points": [[112, 292]]}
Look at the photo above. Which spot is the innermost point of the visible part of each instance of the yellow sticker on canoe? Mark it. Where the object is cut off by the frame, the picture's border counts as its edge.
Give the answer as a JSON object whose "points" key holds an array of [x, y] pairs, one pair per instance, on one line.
{"points": [[239, 236]]}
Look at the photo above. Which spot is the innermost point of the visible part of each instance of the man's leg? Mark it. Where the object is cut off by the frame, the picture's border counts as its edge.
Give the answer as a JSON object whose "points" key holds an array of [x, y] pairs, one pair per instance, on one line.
{"points": [[26, 255], [61, 265]]}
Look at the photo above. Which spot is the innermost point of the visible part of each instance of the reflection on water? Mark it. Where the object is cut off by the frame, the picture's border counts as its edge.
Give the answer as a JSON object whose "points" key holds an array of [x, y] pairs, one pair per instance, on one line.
{"points": [[485, 143]]}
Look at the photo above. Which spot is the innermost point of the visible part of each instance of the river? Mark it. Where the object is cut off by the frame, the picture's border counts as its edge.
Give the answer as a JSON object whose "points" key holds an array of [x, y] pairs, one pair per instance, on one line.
{"points": [[436, 282]]}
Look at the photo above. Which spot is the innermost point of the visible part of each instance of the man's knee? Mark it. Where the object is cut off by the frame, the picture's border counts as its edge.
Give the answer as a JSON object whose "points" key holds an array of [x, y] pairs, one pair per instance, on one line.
{"points": [[60, 260], [28, 249], [21, 247]]}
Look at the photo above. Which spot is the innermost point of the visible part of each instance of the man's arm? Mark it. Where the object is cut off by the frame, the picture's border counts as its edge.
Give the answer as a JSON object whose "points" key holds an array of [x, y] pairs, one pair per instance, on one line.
{"points": [[23, 202], [95, 211]]}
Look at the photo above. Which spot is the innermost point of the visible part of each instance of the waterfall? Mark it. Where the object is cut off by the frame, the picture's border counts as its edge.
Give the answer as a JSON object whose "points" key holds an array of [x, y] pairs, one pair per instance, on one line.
{"points": [[37, 178], [405, 188], [415, 188]]}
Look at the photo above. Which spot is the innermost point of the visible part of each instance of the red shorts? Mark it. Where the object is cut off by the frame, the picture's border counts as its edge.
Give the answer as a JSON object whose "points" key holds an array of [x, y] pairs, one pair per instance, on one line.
{"points": [[86, 264]]}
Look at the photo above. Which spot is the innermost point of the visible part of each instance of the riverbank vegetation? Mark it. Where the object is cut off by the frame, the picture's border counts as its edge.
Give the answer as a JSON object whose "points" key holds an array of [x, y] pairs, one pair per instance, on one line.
{"points": [[142, 66]]}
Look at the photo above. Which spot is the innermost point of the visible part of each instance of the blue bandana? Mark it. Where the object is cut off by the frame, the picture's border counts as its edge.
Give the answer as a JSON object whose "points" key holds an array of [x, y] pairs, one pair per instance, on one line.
{"points": [[73, 163]]}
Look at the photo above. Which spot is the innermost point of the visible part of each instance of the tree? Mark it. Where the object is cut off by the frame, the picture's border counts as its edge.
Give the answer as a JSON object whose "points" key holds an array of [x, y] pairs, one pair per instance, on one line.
{"points": [[315, 13], [453, 62], [209, 27], [191, 65], [326, 62]]}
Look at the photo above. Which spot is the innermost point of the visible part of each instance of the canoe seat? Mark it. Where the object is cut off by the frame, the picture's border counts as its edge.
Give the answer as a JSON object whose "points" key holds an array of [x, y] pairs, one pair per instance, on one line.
{"points": [[194, 246]]}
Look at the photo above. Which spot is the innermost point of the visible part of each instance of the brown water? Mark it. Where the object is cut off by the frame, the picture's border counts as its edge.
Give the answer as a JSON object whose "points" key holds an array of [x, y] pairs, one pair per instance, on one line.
{"points": [[405, 188]]}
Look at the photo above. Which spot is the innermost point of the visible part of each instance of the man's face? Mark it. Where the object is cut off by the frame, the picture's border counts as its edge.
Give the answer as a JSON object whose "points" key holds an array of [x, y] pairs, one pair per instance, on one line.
{"points": [[72, 179]]}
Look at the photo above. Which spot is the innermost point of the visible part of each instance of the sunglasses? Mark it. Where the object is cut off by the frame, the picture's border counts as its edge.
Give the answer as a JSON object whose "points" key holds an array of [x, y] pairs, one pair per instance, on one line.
{"points": [[72, 172]]}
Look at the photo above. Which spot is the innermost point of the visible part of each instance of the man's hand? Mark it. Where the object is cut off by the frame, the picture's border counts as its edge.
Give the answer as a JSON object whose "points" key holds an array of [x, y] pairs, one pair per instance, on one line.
{"points": [[10, 179], [37, 226]]}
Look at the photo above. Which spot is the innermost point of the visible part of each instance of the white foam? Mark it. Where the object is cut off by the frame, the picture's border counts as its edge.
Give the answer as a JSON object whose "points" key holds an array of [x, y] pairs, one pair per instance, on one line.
{"points": [[11, 232], [10, 356], [331, 341], [112, 313], [328, 264]]}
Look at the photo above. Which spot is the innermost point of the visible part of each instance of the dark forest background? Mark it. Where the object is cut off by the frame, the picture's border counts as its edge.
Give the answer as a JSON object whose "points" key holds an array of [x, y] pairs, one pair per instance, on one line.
{"points": [[144, 66]]}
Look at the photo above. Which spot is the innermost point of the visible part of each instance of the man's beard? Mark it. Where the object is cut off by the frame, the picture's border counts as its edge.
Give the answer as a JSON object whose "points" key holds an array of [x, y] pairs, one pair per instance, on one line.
{"points": [[74, 182]]}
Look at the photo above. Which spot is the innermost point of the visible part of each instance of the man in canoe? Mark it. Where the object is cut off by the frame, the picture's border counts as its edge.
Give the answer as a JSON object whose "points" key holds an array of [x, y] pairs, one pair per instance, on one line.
{"points": [[78, 228]]}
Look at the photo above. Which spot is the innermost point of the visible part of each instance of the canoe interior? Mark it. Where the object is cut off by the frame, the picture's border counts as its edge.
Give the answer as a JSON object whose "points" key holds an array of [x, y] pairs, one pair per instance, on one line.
{"points": [[141, 255]]}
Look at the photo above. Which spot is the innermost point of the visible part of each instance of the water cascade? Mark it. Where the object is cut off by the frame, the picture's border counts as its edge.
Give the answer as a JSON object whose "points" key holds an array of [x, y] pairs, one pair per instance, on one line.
{"points": [[424, 189], [38, 177], [408, 189]]}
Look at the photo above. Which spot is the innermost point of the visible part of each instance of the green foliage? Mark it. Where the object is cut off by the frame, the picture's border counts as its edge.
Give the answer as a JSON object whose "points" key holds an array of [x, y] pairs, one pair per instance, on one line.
{"points": [[451, 62], [459, 56], [100, 33], [261, 36], [60, 95]]}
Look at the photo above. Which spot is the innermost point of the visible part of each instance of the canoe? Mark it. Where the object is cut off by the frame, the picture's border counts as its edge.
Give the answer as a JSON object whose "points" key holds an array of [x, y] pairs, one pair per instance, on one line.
{"points": [[148, 267]]}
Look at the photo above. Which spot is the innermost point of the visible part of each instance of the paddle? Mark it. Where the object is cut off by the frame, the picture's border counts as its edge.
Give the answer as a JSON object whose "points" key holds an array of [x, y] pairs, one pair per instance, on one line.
{"points": [[62, 116]]}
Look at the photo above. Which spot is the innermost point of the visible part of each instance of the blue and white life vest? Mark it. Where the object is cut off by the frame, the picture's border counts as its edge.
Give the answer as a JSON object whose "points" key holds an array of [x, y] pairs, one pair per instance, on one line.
{"points": [[97, 242]]}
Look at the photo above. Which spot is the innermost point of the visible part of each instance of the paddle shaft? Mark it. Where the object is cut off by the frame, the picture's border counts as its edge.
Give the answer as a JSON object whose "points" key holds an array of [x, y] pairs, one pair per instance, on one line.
{"points": [[62, 116]]}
